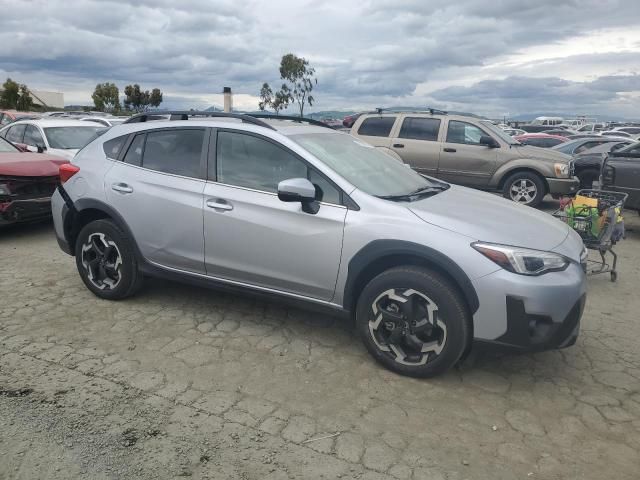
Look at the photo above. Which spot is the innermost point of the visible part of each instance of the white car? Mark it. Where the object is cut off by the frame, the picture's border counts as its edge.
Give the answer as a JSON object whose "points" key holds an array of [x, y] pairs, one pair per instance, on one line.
{"points": [[57, 136]]}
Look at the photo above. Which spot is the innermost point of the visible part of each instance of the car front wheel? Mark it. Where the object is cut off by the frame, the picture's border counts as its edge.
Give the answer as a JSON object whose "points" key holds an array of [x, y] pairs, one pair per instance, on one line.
{"points": [[106, 260], [526, 188], [413, 321]]}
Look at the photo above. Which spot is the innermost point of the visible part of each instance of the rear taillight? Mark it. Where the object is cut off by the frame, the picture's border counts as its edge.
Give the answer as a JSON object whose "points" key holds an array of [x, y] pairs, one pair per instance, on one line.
{"points": [[67, 170], [607, 174]]}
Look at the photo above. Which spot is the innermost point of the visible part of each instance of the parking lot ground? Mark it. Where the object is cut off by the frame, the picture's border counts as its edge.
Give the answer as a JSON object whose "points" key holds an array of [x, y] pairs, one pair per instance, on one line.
{"points": [[186, 382]]}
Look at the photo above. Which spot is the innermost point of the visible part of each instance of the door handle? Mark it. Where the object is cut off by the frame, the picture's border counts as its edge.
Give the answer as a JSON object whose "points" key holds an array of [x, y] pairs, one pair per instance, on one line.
{"points": [[219, 204], [121, 187], [398, 145], [450, 150]]}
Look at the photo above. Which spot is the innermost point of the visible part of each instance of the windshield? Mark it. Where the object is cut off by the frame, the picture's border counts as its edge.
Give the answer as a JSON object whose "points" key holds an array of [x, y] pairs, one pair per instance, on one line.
{"points": [[71, 137], [505, 137], [362, 165], [6, 146]]}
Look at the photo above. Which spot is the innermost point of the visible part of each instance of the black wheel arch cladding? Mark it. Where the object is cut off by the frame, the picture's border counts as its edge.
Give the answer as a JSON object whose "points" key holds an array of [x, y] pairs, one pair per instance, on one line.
{"points": [[381, 249]]}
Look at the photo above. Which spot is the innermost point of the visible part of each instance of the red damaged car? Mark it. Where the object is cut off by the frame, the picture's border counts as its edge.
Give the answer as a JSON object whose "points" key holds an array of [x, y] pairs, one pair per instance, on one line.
{"points": [[27, 181]]}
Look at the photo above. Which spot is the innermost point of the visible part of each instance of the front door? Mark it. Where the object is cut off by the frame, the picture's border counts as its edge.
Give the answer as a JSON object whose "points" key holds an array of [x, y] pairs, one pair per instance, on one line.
{"points": [[417, 144], [463, 160], [252, 237], [157, 188]]}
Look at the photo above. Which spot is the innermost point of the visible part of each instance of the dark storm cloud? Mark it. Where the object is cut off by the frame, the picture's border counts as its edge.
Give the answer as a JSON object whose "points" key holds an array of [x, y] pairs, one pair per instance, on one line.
{"points": [[371, 51]]}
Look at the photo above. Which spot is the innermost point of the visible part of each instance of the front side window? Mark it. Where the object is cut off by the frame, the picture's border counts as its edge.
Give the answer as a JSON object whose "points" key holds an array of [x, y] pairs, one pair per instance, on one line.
{"points": [[417, 128], [377, 126], [16, 133], [252, 162], [463, 132], [33, 137], [175, 151], [71, 138]]}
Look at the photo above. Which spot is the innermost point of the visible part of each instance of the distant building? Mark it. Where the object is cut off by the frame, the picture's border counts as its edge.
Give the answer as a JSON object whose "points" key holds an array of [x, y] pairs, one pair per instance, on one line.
{"points": [[47, 99]]}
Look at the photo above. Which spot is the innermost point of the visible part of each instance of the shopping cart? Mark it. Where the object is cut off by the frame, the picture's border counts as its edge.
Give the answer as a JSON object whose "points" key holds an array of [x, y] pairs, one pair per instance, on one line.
{"points": [[599, 224]]}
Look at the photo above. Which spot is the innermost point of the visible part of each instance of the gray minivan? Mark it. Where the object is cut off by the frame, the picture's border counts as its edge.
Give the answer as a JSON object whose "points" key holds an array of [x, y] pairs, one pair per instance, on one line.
{"points": [[469, 151]]}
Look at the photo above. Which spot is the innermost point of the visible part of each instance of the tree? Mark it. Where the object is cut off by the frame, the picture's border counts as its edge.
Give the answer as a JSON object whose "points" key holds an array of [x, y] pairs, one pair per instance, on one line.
{"points": [[106, 97], [10, 94], [140, 101], [301, 78], [25, 102], [266, 97]]}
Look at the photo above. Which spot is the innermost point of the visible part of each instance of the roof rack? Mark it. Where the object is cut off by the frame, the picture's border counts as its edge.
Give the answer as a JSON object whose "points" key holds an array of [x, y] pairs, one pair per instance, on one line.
{"points": [[185, 114], [271, 116], [432, 111]]}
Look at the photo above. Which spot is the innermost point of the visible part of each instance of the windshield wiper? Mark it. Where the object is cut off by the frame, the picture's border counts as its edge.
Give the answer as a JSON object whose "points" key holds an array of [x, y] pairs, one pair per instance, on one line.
{"points": [[420, 192]]}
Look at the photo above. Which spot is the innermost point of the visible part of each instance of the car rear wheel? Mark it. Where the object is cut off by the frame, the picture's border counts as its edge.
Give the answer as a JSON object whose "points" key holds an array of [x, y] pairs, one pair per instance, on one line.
{"points": [[587, 177], [106, 261], [526, 188], [413, 321]]}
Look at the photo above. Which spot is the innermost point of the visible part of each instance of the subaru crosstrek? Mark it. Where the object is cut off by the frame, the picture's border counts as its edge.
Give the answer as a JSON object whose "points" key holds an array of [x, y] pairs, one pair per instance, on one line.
{"points": [[428, 270]]}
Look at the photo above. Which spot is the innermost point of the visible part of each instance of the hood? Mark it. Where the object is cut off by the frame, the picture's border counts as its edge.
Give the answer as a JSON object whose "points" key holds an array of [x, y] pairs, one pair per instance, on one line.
{"points": [[489, 218], [544, 154], [67, 153], [30, 165]]}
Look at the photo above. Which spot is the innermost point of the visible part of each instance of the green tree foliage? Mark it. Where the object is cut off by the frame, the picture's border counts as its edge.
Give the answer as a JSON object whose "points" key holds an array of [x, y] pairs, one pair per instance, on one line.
{"points": [[301, 78], [106, 97], [25, 102], [266, 97], [139, 101], [278, 101], [10, 94]]}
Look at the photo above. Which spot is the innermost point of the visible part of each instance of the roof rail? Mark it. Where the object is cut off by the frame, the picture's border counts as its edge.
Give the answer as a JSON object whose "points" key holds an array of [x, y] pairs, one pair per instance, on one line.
{"points": [[185, 114], [291, 118], [432, 111]]}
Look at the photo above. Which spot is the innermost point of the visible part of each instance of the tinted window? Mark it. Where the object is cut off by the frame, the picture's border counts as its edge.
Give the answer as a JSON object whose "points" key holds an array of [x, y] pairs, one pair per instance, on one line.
{"points": [[462, 132], [377, 126], [174, 151], [33, 137], [134, 154], [112, 147], [15, 133], [70, 137], [249, 161], [420, 128]]}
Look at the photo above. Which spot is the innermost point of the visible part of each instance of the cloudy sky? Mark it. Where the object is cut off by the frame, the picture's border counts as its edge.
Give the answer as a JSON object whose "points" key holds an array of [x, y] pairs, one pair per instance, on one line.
{"points": [[493, 58]]}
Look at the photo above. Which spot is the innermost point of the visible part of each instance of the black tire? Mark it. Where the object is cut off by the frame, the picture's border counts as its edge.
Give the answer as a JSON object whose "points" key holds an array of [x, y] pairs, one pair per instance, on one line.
{"points": [[121, 279], [587, 177], [449, 310], [513, 183]]}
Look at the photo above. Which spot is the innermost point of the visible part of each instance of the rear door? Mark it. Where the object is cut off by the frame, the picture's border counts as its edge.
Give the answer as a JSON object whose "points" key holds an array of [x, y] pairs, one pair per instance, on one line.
{"points": [[622, 174], [254, 238], [157, 189], [417, 143], [463, 159]]}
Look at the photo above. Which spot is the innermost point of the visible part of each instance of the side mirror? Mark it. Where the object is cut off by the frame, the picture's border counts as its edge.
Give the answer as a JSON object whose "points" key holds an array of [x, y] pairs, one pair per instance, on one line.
{"points": [[488, 141], [299, 190], [41, 148]]}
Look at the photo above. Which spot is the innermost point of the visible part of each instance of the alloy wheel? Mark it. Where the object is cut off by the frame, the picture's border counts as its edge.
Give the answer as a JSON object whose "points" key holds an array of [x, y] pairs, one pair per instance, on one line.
{"points": [[101, 260], [407, 327], [523, 191]]}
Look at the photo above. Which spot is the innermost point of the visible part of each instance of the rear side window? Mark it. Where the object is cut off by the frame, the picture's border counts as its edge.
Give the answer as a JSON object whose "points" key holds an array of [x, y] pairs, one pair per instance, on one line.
{"points": [[134, 154], [113, 147], [15, 133], [377, 126], [175, 151], [417, 128]]}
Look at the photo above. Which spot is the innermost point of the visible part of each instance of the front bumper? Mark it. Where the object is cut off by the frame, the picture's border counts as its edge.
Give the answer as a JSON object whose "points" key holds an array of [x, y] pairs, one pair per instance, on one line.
{"points": [[563, 186], [27, 210], [527, 314]]}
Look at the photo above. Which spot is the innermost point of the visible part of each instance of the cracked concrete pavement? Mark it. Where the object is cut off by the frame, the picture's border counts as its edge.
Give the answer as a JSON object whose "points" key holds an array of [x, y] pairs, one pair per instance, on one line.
{"points": [[186, 382]]}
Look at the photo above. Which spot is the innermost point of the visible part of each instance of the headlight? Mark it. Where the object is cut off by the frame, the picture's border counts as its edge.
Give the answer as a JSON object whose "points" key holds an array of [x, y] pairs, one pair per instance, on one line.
{"points": [[523, 261], [562, 169]]}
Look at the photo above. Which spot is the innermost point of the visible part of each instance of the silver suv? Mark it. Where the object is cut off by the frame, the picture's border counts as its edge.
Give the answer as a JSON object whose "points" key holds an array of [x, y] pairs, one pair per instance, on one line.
{"points": [[469, 151], [297, 210]]}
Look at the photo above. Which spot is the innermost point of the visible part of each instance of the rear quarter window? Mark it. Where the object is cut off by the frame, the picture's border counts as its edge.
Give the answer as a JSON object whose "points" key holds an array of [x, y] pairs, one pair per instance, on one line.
{"points": [[113, 147], [376, 126]]}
